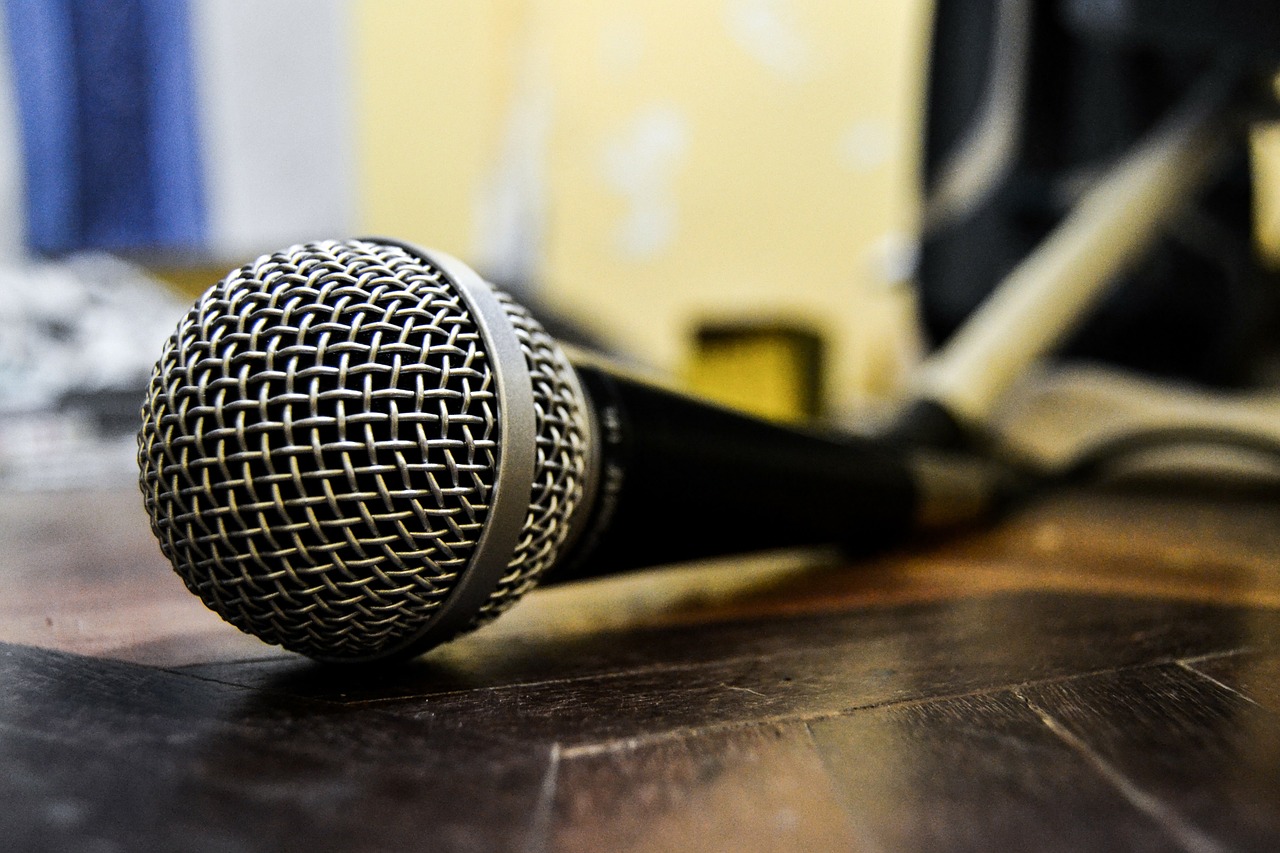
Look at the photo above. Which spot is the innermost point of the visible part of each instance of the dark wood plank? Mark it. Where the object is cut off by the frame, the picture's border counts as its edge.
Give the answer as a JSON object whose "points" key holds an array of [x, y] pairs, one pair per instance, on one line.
{"points": [[1096, 671], [81, 572], [101, 756], [979, 772], [760, 788], [1254, 675], [1201, 758], [1187, 545], [620, 685], [1194, 535]]}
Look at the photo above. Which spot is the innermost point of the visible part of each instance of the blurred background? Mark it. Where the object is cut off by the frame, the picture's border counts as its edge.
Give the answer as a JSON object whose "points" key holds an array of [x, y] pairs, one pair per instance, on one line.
{"points": [[747, 195]]}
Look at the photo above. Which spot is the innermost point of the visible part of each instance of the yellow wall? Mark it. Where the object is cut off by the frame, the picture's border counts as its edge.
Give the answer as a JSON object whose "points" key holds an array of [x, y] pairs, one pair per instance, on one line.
{"points": [[669, 163], [775, 144], [432, 86], [693, 159]]}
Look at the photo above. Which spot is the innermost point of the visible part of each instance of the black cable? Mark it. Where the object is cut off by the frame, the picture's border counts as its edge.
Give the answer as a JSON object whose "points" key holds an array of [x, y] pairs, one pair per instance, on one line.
{"points": [[1090, 464]]}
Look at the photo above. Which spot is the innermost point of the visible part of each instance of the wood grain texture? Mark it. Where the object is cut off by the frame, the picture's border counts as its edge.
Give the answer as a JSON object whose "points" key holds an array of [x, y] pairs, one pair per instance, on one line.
{"points": [[1254, 675], [750, 788], [863, 656], [975, 772], [1098, 671], [99, 755], [1201, 758], [860, 661], [82, 573]]}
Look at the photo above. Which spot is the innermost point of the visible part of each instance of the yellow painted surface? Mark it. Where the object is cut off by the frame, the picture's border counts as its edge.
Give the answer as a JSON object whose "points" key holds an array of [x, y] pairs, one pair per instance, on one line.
{"points": [[692, 162], [767, 371], [701, 160], [735, 160], [433, 81]]}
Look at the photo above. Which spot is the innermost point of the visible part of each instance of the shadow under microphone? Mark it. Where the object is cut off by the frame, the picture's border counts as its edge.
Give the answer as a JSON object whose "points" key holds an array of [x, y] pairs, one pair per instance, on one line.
{"points": [[359, 449]]}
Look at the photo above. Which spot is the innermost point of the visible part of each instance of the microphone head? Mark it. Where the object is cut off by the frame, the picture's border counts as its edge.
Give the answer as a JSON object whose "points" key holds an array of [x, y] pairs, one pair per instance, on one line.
{"points": [[358, 450]]}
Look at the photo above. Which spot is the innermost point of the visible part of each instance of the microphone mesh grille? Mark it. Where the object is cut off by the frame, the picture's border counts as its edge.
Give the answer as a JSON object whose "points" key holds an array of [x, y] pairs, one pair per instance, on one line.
{"points": [[319, 448], [560, 465]]}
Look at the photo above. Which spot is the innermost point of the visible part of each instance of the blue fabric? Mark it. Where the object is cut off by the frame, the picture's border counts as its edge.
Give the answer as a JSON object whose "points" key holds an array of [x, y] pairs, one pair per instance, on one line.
{"points": [[177, 169], [106, 101], [44, 80]]}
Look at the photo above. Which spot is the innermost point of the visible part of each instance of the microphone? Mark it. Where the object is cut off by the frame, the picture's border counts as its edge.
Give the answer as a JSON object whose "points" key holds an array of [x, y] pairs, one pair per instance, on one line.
{"points": [[360, 449]]}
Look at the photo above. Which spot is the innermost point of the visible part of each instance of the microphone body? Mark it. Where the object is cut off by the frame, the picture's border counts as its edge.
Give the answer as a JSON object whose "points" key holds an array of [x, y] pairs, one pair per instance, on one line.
{"points": [[682, 479], [360, 449]]}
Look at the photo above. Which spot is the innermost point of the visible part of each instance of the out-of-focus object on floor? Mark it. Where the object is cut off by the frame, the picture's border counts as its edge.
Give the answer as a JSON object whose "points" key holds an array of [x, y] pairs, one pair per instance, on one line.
{"points": [[1031, 103], [80, 339], [1181, 421], [772, 370]]}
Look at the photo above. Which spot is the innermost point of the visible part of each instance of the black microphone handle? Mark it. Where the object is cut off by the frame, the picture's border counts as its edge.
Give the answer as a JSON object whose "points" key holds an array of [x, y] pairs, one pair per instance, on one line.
{"points": [[682, 479]]}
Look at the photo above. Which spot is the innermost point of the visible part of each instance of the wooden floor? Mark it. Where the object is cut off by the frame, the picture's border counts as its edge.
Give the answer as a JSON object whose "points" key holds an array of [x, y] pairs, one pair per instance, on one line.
{"points": [[1101, 671]]}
